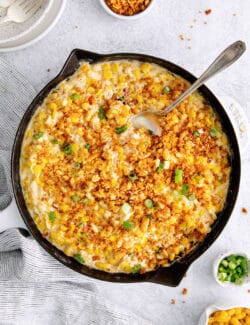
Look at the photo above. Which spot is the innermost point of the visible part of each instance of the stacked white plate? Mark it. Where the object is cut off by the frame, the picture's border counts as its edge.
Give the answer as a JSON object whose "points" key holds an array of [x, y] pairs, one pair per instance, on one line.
{"points": [[15, 36]]}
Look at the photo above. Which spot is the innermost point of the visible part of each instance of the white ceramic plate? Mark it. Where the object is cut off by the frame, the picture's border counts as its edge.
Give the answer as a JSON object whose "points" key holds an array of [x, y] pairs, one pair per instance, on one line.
{"points": [[221, 306], [38, 30]]}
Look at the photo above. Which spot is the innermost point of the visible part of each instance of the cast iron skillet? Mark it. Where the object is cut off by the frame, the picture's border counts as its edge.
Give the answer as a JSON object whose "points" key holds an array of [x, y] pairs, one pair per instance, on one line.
{"points": [[173, 274]]}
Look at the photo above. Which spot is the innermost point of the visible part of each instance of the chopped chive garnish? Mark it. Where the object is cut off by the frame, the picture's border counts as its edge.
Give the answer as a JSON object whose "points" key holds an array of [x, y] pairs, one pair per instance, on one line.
{"points": [[136, 268], [149, 203], [75, 97], [67, 149], [176, 194], [149, 216], [157, 251], [80, 258], [233, 268], [213, 133], [128, 225], [85, 200], [166, 90], [121, 99], [38, 135], [75, 198], [191, 197], [54, 141], [77, 165], [160, 167], [52, 216], [150, 132], [184, 189], [132, 177], [196, 133], [102, 114], [126, 207], [87, 146], [178, 175], [121, 129]]}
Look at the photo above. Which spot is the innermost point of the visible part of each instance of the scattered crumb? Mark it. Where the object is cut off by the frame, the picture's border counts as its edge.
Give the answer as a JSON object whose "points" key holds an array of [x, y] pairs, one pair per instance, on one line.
{"points": [[205, 22], [194, 20], [189, 39], [184, 291], [48, 70], [191, 26], [183, 301], [248, 290], [199, 11], [234, 14], [181, 36], [173, 302], [208, 11], [189, 47], [244, 210]]}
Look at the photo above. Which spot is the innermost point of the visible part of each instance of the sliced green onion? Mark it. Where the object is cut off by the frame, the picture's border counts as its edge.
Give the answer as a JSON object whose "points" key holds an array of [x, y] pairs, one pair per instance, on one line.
{"points": [[85, 200], [184, 189], [77, 165], [54, 141], [132, 177], [52, 216], [121, 99], [150, 132], [67, 149], [102, 114], [196, 133], [87, 146], [121, 129], [233, 268], [75, 198], [178, 175], [160, 167], [136, 268], [128, 225], [166, 90], [191, 197], [213, 133], [126, 208], [75, 97], [38, 135], [149, 204], [80, 258]]}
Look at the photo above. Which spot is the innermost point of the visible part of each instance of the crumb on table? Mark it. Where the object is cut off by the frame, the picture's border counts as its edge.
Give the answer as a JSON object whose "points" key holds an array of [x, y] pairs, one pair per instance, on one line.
{"points": [[173, 302], [244, 210], [208, 11], [184, 291]]}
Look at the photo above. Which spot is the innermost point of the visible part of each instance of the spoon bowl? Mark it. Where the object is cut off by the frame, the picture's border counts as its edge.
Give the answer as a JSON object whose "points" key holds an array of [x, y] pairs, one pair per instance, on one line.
{"points": [[149, 119]]}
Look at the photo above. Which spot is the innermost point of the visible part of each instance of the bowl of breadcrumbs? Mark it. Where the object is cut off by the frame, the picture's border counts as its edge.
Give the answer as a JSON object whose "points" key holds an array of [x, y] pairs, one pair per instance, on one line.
{"points": [[127, 9]]}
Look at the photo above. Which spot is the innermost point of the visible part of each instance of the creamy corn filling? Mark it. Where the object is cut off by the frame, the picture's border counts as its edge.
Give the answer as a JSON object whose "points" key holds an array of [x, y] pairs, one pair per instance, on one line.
{"points": [[117, 198]]}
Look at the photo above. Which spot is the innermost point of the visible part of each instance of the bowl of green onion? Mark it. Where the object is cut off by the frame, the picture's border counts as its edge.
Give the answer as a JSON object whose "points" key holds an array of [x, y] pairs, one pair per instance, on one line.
{"points": [[232, 268]]}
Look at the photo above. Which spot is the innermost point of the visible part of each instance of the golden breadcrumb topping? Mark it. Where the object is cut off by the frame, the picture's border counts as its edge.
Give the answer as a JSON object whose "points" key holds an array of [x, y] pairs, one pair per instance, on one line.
{"points": [[117, 198]]}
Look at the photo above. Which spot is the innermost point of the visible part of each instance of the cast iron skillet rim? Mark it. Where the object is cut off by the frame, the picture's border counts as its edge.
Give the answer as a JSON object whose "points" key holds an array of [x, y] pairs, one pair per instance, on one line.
{"points": [[184, 262]]}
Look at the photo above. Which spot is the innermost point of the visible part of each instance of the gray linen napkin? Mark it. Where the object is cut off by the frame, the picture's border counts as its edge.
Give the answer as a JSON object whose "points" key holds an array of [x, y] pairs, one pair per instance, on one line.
{"points": [[35, 288]]}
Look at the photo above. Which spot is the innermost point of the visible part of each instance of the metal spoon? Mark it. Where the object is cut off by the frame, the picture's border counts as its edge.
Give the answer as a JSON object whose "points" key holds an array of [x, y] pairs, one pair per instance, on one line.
{"points": [[149, 119]]}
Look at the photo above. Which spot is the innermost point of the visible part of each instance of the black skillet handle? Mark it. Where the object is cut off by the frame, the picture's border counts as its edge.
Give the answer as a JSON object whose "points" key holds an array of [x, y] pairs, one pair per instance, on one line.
{"points": [[170, 276], [73, 60]]}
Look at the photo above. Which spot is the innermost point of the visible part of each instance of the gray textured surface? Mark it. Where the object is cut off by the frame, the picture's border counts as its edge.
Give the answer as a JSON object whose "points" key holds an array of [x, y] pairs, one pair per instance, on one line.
{"points": [[85, 25]]}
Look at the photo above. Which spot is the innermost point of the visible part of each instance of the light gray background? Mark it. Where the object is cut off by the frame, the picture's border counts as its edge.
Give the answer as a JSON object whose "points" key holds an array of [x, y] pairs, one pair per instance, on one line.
{"points": [[85, 25]]}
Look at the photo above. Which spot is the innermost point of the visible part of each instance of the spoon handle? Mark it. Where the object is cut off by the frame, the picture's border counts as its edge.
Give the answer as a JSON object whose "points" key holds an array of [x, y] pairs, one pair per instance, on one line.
{"points": [[224, 60]]}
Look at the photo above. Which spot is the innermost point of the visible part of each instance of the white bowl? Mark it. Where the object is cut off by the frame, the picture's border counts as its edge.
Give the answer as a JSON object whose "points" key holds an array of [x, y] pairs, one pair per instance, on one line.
{"points": [[216, 264], [133, 17], [221, 306]]}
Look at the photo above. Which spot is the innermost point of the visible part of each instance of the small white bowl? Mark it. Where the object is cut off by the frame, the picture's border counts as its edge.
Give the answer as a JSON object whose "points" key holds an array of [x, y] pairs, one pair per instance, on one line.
{"points": [[225, 305], [123, 17], [216, 264]]}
